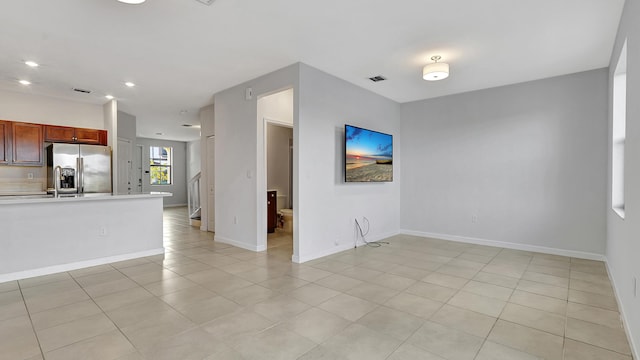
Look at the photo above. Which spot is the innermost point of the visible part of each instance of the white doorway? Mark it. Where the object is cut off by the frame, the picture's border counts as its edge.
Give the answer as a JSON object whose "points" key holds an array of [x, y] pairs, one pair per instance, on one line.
{"points": [[125, 166], [211, 210], [275, 174]]}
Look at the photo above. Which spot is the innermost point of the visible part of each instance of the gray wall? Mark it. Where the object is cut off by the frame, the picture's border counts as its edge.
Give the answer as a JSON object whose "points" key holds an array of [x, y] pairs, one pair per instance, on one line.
{"points": [[623, 246], [278, 160], [179, 185], [521, 164]]}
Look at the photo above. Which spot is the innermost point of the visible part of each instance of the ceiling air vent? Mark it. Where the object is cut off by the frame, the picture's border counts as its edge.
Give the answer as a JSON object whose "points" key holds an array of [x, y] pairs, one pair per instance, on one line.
{"points": [[82, 91], [377, 78], [206, 2]]}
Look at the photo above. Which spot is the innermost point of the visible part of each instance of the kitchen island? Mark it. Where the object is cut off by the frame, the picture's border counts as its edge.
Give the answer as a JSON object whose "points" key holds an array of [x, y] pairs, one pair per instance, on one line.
{"points": [[42, 235]]}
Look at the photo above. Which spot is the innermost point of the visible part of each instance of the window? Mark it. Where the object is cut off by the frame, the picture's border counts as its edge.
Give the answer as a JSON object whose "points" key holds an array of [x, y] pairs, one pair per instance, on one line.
{"points": [[160, 161], [619, 132]]}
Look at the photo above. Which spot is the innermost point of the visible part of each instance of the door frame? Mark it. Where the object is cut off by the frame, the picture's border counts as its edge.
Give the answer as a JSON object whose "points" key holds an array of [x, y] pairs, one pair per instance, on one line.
{"points": [[209, 171], [262, 183], [140, 171], [129, 164]]}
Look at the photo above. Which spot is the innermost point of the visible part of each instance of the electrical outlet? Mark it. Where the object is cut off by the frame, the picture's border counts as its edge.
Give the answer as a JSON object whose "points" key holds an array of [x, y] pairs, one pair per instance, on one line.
{"points": [[235, 219], [336, 243], [103, 231], [30, 176], [474, 219]]}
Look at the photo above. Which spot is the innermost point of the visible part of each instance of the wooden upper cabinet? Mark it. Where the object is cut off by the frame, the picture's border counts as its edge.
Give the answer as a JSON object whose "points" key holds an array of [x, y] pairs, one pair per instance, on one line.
{"points": [[5, 142], [59, 133], [27, 144], [66, 134], [23, 143], [91, 136]]}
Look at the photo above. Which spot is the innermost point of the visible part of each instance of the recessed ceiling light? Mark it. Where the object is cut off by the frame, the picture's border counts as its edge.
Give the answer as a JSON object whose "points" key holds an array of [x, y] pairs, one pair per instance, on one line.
{"points": [[159, 134], [130, 84], [132, 2], [110, 97], [24, 82], [31, 63]]}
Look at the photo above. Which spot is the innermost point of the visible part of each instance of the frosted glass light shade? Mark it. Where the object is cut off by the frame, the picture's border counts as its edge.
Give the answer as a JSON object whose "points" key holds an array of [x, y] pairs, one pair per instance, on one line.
{"points": [[133, 2], [435, 71]]}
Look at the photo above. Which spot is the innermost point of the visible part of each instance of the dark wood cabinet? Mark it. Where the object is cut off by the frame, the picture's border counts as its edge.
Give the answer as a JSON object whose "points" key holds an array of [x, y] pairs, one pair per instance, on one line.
{"points": [[27, 144], [91, 136], [5, 142], [59, 133], [65, 134], [272, 218], [23, 143]]}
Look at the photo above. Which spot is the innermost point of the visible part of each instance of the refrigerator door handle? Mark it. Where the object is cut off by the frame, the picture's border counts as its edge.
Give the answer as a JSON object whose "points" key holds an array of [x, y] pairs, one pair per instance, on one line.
{"points": [[80, 175]]}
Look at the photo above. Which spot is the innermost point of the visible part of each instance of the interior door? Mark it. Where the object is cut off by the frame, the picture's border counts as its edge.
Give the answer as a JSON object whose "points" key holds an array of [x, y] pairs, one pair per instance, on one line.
{"points": [[125, 166], [211, 205]]}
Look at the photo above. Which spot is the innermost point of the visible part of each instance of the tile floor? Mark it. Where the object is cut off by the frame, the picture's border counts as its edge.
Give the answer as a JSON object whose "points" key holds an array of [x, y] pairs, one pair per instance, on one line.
{"points": [[415, 298]]}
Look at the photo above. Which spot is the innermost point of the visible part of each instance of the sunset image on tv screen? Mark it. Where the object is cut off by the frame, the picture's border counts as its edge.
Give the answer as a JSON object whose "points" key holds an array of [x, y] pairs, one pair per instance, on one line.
{"points": [[368, 155]]}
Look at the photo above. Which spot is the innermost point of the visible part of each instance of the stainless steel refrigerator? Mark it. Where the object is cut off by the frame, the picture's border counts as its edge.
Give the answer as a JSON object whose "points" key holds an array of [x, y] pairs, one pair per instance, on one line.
{"points": [[83, 168]]}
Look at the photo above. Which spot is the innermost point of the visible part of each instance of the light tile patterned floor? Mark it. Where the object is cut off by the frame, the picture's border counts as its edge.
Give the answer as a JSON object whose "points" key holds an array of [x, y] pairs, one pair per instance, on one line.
{"points": [[415, 298]]}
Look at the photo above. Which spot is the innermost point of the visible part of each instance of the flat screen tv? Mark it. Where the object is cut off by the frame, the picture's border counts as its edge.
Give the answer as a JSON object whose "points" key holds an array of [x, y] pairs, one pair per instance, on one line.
{"points": [[368, 155]]}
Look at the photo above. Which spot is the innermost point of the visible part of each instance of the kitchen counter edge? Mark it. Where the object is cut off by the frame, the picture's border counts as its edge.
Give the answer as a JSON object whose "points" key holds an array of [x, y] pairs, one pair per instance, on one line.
{"points": [[8, 200]]}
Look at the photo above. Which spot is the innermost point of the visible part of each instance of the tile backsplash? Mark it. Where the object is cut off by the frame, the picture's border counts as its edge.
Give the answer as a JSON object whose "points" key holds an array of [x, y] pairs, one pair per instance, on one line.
{"points": [[16, 179]]}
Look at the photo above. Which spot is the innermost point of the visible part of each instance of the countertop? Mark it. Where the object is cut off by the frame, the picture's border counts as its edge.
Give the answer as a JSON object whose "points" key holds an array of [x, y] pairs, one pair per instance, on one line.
{"points": [[30, 199]]}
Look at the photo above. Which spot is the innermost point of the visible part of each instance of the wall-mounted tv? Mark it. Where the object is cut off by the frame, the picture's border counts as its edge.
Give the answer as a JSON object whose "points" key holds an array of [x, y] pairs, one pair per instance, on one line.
{"points": [[368, 155]]}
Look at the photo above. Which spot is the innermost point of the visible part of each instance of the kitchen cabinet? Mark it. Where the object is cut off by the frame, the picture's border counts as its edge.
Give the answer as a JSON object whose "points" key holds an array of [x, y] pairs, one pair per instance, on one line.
{"points": [[27, 144], [272, 218], [5, 142], [65, 134]]}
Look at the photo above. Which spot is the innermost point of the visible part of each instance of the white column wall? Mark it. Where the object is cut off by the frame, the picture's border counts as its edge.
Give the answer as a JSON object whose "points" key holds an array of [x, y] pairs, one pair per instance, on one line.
{"points": [[325, 206]]}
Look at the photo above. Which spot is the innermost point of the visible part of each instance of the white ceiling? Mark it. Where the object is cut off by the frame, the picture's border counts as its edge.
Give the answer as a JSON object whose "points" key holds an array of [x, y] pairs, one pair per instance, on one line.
{"points": [[181, 52]]}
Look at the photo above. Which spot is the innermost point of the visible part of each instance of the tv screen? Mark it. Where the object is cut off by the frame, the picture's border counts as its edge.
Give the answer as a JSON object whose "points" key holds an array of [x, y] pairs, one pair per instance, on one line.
{"points": [[368, 155]]}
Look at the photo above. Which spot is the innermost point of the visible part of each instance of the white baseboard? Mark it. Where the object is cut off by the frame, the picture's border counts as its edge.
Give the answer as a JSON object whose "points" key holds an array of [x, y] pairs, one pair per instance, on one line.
{"points": [[339, 248], [508, 245], [76, 265], [623, 316], [239, 244]]}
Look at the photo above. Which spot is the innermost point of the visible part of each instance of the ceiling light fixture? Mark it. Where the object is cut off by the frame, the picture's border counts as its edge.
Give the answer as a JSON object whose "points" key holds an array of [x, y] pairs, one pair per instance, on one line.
{"points": [[110, 97], [132, 2], [435, 71], [24, 82], [31, 63], [130, 84]]}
